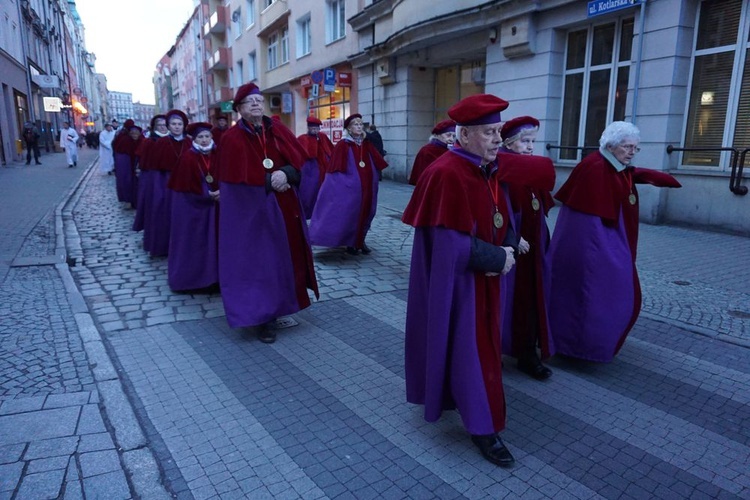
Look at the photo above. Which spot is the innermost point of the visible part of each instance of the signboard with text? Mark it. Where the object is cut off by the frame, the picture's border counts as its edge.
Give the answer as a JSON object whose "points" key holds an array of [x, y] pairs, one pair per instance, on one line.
{"points": [[599, 7], [333, 128]]}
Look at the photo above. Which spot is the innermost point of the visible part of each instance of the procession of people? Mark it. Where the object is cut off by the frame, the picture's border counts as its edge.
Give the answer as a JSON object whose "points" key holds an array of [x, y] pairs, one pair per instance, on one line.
{"points": [[237, 209]]}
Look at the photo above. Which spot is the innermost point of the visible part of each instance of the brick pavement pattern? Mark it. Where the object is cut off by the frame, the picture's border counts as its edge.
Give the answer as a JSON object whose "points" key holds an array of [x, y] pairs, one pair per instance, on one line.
{"points": [[322, 414]]}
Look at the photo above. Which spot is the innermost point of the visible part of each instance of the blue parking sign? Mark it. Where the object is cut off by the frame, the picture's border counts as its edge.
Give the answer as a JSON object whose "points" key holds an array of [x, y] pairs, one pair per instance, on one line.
{"points": [[329, 79]]}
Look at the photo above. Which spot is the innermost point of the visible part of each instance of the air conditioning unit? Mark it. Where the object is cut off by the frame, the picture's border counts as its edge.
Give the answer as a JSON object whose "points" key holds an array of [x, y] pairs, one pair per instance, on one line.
{"points": [[275, 102], [385, 69]]}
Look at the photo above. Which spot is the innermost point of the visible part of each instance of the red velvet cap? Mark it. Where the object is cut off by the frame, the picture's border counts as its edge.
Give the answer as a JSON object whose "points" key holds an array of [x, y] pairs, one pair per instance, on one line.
{"points": [[197, 127], [179, 114], [128, 123], [480, 109], [350, 118], [444, 126], [242, 92], [514, 126], [311, 120], [136, 127], [156, 117]]}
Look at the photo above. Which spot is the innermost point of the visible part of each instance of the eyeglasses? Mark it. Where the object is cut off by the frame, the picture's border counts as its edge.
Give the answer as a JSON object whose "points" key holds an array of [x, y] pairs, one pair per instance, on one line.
{"points": [[630, 148], [253, 100]]}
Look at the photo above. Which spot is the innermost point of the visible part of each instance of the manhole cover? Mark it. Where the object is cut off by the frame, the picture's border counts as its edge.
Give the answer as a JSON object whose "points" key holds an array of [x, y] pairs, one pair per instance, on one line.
{"points": [[681, 283]]}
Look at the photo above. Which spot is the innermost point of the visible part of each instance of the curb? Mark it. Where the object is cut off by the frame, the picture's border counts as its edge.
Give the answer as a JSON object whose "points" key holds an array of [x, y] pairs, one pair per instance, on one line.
{"points": [[136, 458]]}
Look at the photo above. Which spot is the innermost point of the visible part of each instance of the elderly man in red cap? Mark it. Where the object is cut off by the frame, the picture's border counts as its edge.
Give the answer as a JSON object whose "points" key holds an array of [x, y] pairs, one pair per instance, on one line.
{"points": [[265, 261], [526, 323], [348, 197], [442, 138], [319, 150], [463, 243]]}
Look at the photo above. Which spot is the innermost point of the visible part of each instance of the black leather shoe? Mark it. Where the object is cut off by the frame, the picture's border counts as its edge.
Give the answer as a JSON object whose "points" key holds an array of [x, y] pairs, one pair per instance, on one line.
{"points": [[351, 250], [493, 449], [266, 335], [535, 370], [365, 249]]}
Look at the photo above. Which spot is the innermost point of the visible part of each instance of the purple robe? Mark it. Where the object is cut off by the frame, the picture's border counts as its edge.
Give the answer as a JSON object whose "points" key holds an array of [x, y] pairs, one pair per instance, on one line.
{"points": [[146, 181], [443, 363], [256, 271], [158, 215], [594, 286], [124, 178], [336, 220], [309, 185], [193, 254]]}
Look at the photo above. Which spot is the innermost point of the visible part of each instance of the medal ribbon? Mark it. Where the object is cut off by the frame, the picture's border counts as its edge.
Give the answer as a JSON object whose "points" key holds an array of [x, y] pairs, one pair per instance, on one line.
{"points": [[262, 139], [206, 164]]}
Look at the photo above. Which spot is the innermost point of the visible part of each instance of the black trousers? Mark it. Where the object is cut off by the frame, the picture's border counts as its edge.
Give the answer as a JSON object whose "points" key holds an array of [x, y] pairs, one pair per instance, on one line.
{"points": [[29, 146]]}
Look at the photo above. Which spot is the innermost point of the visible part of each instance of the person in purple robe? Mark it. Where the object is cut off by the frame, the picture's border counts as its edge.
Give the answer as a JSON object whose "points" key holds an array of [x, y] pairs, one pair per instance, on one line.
{"points": [[463, 243], [319, 150], [124, 148], [442, 139], [147, 173], [596, 295], [193, 262], [265, 260], [527, 319], [164, 156], [348, 197]]}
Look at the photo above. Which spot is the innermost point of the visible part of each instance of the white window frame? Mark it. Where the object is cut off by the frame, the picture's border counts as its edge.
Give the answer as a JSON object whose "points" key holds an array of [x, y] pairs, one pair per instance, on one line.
{"points": [[740, 49], [249, 14], [251, 66], [335, 20], [588, 70], [284, 37], [304, 36], [237, 22], [273, 51]]}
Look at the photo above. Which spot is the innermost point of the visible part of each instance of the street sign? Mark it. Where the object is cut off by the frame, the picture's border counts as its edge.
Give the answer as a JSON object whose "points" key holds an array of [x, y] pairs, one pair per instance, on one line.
{"points": [[316, 76], [315, 90], [226, 106], [52, 104], [598, 7], [329, 79]]}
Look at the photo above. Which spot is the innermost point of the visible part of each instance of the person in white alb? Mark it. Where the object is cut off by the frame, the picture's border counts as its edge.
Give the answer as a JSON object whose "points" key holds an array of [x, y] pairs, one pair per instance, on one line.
{"points": [[69, 141]]}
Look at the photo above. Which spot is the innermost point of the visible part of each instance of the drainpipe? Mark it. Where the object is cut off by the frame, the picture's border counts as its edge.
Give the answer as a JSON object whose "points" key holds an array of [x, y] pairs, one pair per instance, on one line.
{"points": [[639, 57]]}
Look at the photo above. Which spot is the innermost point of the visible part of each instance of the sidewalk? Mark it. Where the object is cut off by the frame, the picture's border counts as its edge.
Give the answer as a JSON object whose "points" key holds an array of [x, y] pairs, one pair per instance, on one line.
{"points": [[60, 432], [322, 414]]}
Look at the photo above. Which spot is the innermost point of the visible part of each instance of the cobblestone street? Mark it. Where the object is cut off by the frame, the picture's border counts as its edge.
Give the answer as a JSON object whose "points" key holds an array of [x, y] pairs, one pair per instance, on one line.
{"points": [[322, 414]]}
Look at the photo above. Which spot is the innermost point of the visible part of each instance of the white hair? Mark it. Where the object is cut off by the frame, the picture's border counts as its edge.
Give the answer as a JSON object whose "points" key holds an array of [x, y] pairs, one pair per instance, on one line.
{"points": [[617, 132], [525, 130]]}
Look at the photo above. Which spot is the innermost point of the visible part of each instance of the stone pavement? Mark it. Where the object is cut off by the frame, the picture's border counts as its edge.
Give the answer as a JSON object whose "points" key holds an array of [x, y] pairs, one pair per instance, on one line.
{"points": [[322, 414], [56, 439]]}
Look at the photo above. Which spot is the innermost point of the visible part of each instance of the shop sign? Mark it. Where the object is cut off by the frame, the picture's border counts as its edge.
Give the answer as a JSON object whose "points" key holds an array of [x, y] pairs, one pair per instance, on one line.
{"points": [[226, 106], [333, 128], [305, 81], [345, 79]]}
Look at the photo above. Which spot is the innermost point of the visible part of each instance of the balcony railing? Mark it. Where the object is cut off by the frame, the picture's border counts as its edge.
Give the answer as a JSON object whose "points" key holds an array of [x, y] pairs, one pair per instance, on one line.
{"points": [[217, 22]]}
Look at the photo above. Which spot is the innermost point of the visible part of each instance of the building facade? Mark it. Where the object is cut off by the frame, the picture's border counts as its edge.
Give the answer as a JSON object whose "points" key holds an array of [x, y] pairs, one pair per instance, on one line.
{"points": [[678, 69], [120, 106], [142, 114]]}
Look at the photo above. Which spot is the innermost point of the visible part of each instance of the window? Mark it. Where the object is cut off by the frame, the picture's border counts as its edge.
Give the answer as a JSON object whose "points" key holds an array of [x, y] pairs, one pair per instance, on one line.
{"points": [[453, 83], [273, 51], [719, 104], [304, 36], [239, 73], [236, 20], [336, 22], [251, 67], [284, 45], [268, 3], [597, 70], [249, 13]]}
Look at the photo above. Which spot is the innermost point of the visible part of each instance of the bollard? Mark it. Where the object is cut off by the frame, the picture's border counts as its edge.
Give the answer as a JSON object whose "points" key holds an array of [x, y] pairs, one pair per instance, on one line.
{"points": [[19, 146]]}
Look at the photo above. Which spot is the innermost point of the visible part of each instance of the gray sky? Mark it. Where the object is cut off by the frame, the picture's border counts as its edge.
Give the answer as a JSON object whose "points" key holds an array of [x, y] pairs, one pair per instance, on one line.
{"points": [[130, 37]]}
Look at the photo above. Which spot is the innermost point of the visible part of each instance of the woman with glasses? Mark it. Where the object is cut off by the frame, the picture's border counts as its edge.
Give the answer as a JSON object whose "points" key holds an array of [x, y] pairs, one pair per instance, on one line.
{"points": [[596, 294]]}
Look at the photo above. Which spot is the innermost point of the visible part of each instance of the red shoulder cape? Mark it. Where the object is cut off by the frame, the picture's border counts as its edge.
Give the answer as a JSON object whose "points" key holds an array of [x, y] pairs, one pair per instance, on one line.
{"points": [[241, 154], [365, 152], [165, 154], [426, 155], [190, 173]]}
